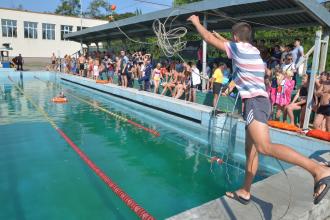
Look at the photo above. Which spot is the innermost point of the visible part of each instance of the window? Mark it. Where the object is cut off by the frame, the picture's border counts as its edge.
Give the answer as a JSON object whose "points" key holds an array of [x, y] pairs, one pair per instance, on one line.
{"points": [[48, 31], [79, 28], [30, 30], [65, 29], [9, 28]]}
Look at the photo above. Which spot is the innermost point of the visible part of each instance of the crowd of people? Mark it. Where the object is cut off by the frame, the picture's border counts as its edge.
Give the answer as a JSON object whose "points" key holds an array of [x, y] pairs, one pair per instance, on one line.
{"points": [[281, 83], [182, 80], [169, 77]]}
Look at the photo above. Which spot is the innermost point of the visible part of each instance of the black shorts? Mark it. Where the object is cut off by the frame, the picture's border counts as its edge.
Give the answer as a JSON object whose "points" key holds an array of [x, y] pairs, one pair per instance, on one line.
{"points": [[216, 88], [53, 62], [324, 110], [82, 66], [257, 108]]}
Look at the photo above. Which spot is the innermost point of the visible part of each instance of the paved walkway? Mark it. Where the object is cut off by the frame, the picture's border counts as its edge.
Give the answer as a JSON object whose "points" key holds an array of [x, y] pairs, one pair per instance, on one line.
{"points": [[271, 198]]}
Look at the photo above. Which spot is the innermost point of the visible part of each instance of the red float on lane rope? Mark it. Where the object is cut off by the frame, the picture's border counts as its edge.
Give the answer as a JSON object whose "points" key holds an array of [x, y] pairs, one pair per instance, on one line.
{"points": [[217, 160], [142, 213]]}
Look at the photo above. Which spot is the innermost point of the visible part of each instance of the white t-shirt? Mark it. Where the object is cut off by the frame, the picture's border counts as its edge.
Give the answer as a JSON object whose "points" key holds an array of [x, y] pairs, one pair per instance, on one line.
{"points": [[286, 67], [142, 69], [297, 52], [195, 76]]}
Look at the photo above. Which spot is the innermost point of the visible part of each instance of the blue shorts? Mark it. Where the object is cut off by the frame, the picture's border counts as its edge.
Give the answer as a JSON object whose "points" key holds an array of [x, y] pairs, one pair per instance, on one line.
{"points": [[257, 108], [111, 74]]}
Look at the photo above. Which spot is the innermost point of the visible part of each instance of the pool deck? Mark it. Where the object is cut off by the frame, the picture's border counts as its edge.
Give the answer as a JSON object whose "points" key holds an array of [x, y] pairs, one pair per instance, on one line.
{"points": [[270, 200], [191, 111]]}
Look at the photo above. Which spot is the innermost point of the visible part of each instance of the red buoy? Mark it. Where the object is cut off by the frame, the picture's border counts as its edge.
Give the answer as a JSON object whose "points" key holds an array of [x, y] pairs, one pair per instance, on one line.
{"points": [[217, 160], [113, 7]]}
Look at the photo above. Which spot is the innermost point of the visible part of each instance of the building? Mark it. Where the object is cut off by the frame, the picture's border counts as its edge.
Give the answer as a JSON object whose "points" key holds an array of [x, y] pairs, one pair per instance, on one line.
{"points": [[35, 34]]}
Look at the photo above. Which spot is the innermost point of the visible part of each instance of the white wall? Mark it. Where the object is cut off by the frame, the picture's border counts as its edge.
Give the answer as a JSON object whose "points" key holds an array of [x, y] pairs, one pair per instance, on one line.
{"points": [[40, 47]]}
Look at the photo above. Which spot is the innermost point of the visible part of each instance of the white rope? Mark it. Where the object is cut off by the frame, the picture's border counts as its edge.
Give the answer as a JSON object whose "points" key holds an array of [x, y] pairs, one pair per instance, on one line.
{"points": [[169, 40]]}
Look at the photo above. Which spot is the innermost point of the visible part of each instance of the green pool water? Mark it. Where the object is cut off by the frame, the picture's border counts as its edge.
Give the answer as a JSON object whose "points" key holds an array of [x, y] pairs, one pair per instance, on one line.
{"points": [[41, 177]]}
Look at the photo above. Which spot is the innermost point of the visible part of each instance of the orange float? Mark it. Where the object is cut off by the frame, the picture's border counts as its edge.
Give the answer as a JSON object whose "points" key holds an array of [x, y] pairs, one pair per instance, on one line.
{"points": [[283, 126], [319, 134], [59, 100], [102, 81], [113, 7]]}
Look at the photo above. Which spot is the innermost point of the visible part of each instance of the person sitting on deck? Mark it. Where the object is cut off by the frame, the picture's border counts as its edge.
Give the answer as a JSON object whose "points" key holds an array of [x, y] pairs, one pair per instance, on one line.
{"points": [[169, 82], [249, 79], [298, 102]]}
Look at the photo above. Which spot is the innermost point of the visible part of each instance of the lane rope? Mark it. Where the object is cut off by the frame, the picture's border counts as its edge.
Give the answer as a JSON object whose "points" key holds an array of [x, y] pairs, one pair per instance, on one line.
{"points": [[137, 209], [116, 116]]}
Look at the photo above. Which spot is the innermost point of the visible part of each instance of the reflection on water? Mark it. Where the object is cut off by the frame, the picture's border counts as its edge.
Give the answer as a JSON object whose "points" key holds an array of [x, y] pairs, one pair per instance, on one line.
{"points": [[166, 175]]}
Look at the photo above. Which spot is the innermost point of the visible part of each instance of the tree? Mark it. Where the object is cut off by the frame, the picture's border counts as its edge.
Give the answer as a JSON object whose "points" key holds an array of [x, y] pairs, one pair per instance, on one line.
{"points": [[138, 12], [20, 7], [68, 7], [182, 2], [97, 8]]}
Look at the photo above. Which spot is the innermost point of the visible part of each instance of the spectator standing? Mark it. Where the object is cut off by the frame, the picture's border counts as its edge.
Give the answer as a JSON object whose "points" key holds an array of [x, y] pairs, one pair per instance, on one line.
{"points": [[216, 80], [82, 61], [323, 106], [297, 54], [156, 77], [53, 61], [276, 57], [20, 62], [146, 77], [195, 81], [123, 68]]}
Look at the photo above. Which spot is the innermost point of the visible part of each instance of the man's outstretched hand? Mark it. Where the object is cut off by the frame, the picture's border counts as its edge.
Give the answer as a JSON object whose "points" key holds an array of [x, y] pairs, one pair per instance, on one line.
{"points": [[194, 19]]}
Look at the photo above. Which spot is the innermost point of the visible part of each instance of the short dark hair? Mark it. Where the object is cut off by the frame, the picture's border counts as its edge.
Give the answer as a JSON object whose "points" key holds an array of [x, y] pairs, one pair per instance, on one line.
{"points": [[243, 31], [297, 39]]}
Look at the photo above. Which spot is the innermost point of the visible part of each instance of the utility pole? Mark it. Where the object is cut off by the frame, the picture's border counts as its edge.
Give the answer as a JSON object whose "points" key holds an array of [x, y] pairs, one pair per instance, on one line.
{"points": [[81, 14]]}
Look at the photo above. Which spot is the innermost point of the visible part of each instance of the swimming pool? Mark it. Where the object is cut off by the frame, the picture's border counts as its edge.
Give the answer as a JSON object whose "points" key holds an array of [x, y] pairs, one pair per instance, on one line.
{"points": [[42, 177]]}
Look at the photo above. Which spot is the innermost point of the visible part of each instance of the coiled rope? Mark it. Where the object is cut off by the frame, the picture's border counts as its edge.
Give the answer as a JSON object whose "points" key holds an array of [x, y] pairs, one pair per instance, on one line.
{"points": [[169, 40], [137, 209]]}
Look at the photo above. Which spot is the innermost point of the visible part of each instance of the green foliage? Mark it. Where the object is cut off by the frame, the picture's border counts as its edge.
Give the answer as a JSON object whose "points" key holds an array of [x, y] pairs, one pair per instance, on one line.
{"points": [[98, 9], [123, 16], [68, 7], [182, 2]]}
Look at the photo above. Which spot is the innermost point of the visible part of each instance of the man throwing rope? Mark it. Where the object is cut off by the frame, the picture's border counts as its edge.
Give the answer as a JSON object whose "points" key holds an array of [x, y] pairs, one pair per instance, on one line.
{"points": [[249, 71]]}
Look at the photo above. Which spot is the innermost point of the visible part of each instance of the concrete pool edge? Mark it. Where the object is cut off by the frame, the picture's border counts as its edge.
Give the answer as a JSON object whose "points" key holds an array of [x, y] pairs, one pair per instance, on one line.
{"points": [[190, 111], [271, 199]]}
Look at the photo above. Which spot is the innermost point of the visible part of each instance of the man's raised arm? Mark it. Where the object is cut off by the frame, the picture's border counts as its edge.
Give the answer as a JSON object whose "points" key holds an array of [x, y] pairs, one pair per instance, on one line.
{"points": [[206, 35]]}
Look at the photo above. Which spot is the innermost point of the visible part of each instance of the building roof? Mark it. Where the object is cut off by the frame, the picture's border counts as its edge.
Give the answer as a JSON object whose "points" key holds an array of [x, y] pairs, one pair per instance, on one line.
{"points": [[47, 13], [221, 14]]}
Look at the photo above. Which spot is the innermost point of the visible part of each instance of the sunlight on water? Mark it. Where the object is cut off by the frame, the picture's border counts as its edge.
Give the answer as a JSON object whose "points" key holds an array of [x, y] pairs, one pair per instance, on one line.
{"points": [[42, 178]]}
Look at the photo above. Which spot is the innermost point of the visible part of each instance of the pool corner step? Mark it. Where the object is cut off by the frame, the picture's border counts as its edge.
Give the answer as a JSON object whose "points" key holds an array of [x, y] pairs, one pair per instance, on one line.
{"points": [[272, 199]]}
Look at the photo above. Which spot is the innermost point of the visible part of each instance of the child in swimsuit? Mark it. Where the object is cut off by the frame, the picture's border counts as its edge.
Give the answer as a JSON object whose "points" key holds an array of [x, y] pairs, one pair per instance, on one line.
{"points": [[322, 118], [96, 70], [157, 76]]}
